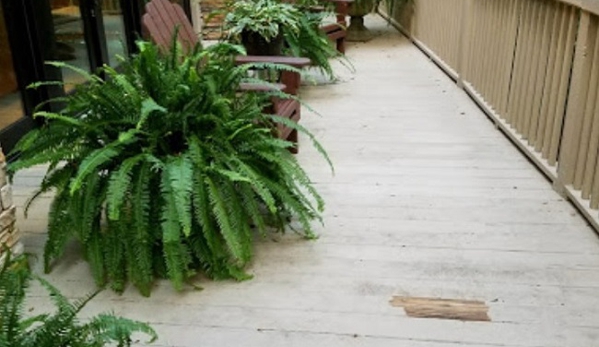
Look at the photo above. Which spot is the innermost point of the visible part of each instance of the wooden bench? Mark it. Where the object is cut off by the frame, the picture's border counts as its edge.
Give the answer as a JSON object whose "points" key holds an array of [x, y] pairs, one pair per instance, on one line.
{"points": [[163, 19]]}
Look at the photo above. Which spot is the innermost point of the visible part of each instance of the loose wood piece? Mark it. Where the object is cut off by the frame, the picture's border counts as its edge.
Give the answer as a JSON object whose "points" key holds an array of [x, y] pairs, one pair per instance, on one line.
{"points": [[464, 310]]}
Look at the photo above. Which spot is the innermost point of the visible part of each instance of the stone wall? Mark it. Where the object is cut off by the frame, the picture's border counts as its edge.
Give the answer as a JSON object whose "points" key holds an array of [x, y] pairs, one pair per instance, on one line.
{"points": [[9, 233], [212, 24]]}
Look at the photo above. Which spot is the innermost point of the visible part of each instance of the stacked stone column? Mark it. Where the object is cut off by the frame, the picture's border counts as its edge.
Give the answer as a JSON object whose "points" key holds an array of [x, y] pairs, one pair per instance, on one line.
{"points": [[9, 233], [211, 29]]}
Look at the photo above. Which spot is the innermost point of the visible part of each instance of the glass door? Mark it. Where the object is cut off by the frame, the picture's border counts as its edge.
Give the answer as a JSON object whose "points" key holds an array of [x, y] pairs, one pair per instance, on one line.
{"points": [[69, 44], [114, 30], [83, 33]]}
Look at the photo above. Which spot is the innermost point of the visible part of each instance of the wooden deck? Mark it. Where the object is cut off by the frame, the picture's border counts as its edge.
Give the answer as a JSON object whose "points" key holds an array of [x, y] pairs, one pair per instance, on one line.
{"points": [[428, 200]]}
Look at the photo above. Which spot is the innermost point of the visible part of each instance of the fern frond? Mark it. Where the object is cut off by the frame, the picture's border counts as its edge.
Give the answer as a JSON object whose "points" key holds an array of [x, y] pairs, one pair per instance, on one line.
{"points": [[180, 171], [141, 244], [119, 183], [106, 328], [60, 228], [232, 237], [91, 165]]}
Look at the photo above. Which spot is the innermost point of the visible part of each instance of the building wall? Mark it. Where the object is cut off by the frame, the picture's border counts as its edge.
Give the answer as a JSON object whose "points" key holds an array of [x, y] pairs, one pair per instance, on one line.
{"points": [[211, 27], [8, 82]]}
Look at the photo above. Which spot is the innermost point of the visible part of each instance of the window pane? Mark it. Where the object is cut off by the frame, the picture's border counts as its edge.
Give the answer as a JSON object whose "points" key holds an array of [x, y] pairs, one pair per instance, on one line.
{"points": [[114, 29], [70, 41], [11, 107]]}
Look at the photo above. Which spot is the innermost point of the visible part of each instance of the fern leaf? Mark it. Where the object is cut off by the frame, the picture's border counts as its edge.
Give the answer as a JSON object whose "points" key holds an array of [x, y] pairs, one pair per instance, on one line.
{"points": [[141, 243], [232, 237], [88, 76], [91, 165], [94, 251], [59, 229], [171, 228], [105, 328], [148, 106], [180, 172], [118, 185]]}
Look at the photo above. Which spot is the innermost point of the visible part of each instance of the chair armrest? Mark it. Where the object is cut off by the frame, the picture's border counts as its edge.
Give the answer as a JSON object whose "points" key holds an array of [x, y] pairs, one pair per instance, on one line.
{"points": [[252, 87], [296, 62]]}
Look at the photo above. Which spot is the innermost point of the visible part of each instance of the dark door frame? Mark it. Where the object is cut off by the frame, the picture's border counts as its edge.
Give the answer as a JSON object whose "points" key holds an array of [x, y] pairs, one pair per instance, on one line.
{"points": [[30, 46], [32, 42]]}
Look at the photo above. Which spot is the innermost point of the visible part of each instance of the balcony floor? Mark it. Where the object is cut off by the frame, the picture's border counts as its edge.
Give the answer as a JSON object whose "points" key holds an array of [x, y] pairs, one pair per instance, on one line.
{"points": [[428, 200]]}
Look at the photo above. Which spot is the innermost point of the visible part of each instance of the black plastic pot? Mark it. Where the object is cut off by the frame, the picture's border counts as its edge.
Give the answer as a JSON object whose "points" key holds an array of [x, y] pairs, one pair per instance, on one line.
{"points": [[255, 44]]}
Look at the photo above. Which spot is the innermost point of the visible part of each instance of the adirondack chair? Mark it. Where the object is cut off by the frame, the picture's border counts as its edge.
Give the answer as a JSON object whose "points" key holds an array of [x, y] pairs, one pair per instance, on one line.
{"points": [[338, 31], [163, 18]]}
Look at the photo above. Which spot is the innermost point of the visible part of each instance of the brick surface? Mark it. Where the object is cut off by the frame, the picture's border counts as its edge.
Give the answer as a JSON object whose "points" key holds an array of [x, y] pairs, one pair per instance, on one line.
{"points": [[7, 217], [6, 197], [212, 21]]}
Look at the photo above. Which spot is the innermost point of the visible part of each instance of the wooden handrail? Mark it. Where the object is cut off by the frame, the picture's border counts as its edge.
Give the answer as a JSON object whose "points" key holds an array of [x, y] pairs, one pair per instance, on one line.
{"points": [[591, 6]]}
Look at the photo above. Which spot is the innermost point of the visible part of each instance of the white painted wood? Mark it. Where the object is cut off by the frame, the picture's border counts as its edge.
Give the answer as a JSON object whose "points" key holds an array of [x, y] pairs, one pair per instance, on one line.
{"points": [[428, 200]]}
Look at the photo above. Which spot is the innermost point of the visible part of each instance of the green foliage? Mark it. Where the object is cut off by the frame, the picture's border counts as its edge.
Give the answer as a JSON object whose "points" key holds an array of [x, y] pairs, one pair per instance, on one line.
{"points": [[61, 328], [162, 169], [264, 17], [311, 42], [299, 25]]}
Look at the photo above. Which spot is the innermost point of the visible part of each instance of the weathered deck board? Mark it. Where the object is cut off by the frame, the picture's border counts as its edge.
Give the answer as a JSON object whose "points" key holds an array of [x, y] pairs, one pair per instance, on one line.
{"points": [[428, 200]]}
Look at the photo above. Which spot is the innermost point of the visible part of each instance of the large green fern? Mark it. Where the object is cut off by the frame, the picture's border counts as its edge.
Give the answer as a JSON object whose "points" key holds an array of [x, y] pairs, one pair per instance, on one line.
{"points": [[60, 328], [165, 169]]}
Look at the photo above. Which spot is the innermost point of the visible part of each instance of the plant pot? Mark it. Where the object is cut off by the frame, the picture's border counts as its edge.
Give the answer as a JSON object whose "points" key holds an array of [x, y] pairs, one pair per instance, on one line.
{"points": [[356, 30], [255, 44]]}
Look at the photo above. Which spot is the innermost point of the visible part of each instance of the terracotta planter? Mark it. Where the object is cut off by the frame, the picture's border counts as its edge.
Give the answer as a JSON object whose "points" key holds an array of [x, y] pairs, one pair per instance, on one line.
{"points": [[356, 30], [257, 45]]}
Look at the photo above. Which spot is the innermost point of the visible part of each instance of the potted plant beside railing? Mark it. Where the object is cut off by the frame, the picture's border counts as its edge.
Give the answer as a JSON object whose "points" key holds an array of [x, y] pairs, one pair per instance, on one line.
{"points": [[260, 25], [357, 31]]}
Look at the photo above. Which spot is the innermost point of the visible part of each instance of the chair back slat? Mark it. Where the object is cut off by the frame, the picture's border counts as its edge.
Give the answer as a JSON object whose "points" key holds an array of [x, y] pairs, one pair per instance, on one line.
{"points": [[161, 20]]}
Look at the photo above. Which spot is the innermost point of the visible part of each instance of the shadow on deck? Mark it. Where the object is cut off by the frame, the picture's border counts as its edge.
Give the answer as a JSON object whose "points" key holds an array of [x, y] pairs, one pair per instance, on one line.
{"points": [[428, 200]]}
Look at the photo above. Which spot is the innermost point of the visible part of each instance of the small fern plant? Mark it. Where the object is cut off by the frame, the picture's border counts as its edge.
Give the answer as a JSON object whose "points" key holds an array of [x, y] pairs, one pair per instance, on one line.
{"points": [[61, 328], [311, 42], [166, 169]]}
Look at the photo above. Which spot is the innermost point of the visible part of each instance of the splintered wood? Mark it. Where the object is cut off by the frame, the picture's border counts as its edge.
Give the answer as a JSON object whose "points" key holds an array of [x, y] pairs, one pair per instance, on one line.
{"points": [[464, 310]]}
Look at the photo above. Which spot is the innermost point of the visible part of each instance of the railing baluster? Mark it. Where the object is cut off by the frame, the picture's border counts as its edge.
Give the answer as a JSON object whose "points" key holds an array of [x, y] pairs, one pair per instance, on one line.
{"points": [[533, 66], [590, 112]]}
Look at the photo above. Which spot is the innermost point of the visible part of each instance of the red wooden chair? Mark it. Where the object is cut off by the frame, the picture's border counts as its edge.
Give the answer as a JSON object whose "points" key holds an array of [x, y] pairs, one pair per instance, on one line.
{"points": [[338, 31], [163, 18]]}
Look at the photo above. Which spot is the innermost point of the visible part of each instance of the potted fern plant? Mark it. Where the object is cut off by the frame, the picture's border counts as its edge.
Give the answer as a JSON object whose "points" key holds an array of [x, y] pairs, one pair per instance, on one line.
{"points": [[165, 169], [61, 328], [273, 27]]}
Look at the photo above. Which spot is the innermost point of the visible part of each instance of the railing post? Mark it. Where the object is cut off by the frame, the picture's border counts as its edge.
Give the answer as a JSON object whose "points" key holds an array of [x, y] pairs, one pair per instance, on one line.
{"points": [[465, 38], [575, 110]]}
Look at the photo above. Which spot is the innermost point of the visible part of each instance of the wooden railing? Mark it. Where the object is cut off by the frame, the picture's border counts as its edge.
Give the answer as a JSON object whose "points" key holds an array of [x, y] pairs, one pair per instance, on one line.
{"points": [[533, 67]]}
